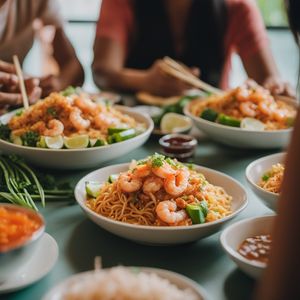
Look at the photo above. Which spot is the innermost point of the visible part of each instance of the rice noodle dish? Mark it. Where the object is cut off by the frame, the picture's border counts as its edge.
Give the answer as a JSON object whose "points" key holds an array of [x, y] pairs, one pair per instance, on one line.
{"points": [[69, 121], [159, 191], [120, 283], [248, 106], [271, 180]]}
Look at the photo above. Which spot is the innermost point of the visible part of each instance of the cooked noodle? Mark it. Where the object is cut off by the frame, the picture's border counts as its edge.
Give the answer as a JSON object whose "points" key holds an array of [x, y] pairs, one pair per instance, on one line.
{"points": [[140, 207], [272, 180]]}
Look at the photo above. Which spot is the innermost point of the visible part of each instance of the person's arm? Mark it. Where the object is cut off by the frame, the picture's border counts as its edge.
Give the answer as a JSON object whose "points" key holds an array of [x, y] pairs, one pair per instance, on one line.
{"points": [[282, 277], [252, 44], [71, 71]]}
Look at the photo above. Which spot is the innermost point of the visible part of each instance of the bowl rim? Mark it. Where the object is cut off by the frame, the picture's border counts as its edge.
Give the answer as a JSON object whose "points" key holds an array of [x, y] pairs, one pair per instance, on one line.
{"points": [[35, 235], [160, 228], [187, 112], [188, 282], [256, 162], [126, 109], [234, 253]]}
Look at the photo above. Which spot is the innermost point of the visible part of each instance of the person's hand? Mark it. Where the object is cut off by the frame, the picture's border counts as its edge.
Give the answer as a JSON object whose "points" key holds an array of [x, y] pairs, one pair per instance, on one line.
{"points": [[157, 82], [278, 87], [50, 84], [9, 87]]}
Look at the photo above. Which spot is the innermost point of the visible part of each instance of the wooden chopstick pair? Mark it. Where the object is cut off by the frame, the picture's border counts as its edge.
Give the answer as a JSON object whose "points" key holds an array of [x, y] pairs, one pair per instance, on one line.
{"points": [[183, 73], [21, 81]]}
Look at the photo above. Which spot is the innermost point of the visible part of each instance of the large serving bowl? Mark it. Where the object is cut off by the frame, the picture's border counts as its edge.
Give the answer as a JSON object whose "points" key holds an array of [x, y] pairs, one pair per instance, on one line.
{"points": [[162, 235], [241, 138], [256, 170], [233, 236], [182, 282], [79, 158], [17, 255]]}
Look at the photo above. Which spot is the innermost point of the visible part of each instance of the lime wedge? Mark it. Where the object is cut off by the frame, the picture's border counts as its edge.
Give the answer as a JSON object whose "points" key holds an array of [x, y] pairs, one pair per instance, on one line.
{"points": [[174, 123], [92, 188], [41, 143], [252, 124], [77, 142], [16, 139], [53, 142]]}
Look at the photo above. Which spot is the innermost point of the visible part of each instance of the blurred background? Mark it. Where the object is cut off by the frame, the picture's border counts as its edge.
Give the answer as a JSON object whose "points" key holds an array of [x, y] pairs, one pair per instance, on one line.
{"points": [[81, 17]]}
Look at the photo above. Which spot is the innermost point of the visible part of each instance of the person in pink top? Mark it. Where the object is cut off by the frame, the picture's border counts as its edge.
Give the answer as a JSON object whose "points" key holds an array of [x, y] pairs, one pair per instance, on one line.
{"points": [[133, 35]]}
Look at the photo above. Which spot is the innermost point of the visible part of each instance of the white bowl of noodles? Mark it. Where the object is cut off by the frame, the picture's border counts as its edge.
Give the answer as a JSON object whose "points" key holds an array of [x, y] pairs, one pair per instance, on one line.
{"points": [[120, 282], [159, 235], [268, 135], [263, 182], [79, 158]]}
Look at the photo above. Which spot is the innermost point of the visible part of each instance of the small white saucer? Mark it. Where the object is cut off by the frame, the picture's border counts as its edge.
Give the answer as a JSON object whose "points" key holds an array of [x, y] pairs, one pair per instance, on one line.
{"points": [[37, 267]]}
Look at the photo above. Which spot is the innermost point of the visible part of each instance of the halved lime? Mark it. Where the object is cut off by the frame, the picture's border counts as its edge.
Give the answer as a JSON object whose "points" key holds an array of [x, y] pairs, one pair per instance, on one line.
{"points": [[92, 188], [77, 141], [252, 124], [174, 123], [53, 142]]}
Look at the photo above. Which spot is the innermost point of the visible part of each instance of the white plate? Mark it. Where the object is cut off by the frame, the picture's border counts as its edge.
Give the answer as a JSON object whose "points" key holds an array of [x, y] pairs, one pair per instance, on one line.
{"points": [[162, 235], [179, 280], [233, 236], [37, 267], [79, 158], [256, 170], [241, 138]]}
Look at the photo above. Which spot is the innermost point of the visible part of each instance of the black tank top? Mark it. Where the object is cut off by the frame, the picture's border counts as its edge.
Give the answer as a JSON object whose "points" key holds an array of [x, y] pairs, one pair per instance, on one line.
{"points": [[204, 37]]}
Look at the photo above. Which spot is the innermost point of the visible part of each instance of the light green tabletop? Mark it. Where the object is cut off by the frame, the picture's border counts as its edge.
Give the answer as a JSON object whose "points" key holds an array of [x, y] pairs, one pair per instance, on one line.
{"points": [[204, 261]]}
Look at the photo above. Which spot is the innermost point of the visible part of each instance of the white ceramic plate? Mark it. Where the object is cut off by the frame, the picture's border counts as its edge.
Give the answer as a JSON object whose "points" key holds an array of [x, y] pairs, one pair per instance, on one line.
{"points": [[40, 264], [175, 278], [256, 170], [241, 138], [79, 158], [232, 237], [162, 235]]}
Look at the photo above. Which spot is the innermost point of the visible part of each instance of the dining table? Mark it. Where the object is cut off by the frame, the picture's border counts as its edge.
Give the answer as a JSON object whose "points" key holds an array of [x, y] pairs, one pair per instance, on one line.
{"points": [[204, 261]]}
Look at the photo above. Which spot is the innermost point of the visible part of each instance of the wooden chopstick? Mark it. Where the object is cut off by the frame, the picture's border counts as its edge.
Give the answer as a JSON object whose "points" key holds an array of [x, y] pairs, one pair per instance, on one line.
{"points": [[181, 72], [21, 81]]}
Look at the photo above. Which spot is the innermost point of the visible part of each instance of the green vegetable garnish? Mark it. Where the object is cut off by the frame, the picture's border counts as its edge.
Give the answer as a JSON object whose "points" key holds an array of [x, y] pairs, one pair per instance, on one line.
{"points": [[124, 135], [265, 177], [113, 130], [4, 132], [196, 213], [229, 121], [30, 138], [70, 90], [20, 112], [112, 178], [157, 160], [51, 111], [209, 114]]}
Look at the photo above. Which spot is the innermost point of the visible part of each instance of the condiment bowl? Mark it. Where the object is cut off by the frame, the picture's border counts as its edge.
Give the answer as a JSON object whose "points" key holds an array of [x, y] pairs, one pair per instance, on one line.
{"points": [[17, 254], [233, 236], [162, 235], [79, 158], [241, 138], [79, 281], [256, 170]]}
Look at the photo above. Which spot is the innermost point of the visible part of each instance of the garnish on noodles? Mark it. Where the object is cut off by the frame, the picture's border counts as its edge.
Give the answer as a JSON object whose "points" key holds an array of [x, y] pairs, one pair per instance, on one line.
{"points": [[69, 120], [271, 180], [248, 106], [159, 191]]}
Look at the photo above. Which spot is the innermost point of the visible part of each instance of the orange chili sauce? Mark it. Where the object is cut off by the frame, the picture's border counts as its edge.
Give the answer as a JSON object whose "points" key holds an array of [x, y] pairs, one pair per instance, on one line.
{"points": [[16, 227]]}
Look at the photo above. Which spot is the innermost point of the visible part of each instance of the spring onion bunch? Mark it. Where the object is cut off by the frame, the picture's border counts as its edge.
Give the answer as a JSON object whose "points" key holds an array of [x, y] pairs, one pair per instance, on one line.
{"points": [[21, 185]]}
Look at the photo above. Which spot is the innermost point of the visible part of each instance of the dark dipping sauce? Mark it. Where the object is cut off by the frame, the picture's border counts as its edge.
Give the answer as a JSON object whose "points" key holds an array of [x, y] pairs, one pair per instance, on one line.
{"points": [[178, 145], [256, 248]]}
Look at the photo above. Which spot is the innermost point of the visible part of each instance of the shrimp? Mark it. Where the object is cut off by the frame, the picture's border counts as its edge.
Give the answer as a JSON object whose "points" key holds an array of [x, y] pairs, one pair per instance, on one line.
{"points": [[152, 185], [86, 105], [279, 115], [103, 120], [55, 127], [77, 121], [242, 94], [248, 109], [166, 211], [141, 171], [265, 108], [176, 184], [128, 183], [164, 171]]}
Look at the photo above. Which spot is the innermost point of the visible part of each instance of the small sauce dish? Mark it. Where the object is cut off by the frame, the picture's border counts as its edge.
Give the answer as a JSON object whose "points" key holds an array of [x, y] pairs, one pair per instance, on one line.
{"points": [[178, 145]]}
